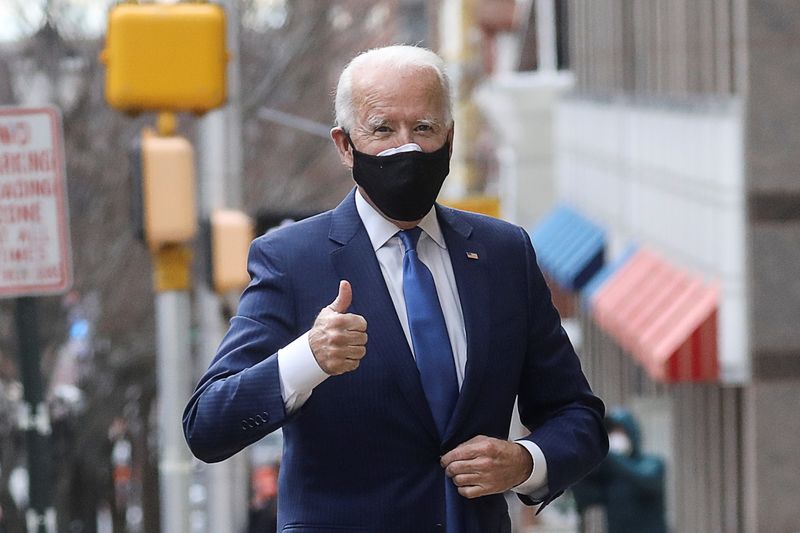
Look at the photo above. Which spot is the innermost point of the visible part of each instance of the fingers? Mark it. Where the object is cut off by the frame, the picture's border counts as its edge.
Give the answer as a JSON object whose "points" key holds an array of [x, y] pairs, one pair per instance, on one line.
{"points": [[470, 449], [338, 339], [347, 322], [485, 465], [347, 337], [341, 304], [474, 491], [467, 466], [348, 344], [345, 297], [467, 480], [472, 485], [477, 465]]}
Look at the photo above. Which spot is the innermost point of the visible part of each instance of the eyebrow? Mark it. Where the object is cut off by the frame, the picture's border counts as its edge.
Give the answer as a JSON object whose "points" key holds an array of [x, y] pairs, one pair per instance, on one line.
{"points": [[429, 122], [378, 121]]}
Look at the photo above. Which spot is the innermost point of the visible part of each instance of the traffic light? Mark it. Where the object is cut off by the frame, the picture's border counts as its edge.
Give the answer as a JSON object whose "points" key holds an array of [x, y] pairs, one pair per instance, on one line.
{"points": [[228, 243], [164, 189], [165, 57], [269, 219], [485, 205]]}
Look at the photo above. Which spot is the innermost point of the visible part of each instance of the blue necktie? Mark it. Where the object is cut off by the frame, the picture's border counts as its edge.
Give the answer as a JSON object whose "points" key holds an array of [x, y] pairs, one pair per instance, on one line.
{"points": [[432, 348], [437, 368]]}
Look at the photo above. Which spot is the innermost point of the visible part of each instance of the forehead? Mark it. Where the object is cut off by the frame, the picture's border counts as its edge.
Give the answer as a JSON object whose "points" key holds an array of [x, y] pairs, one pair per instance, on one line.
{"points": [[412, 92]]}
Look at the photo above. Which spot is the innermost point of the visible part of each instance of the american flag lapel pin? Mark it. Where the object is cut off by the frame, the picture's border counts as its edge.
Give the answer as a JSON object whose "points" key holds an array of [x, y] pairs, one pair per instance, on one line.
{"points": [[472, 255]]}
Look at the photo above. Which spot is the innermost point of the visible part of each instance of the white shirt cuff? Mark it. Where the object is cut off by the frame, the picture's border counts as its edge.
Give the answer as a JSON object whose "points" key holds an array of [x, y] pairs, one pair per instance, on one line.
{"points": [[299, 373], [536, 485]]}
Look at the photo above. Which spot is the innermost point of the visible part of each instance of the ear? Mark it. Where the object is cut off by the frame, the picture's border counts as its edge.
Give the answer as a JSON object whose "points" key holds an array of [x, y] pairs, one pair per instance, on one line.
{"points": [[342, 146]]}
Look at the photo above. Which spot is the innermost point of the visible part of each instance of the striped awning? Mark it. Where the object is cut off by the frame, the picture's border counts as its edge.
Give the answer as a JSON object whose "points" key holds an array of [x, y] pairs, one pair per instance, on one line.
{"points": [[603, 275], [569, 247], [662, 315]]}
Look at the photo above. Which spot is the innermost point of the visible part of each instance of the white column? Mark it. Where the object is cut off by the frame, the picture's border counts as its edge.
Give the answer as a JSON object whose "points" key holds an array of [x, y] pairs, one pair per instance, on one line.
{"points": [[520, 109]]}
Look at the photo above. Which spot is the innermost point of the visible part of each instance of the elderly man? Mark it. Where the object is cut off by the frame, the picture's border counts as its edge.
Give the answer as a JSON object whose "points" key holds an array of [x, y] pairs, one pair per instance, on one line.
{"points": [[391, 337]]}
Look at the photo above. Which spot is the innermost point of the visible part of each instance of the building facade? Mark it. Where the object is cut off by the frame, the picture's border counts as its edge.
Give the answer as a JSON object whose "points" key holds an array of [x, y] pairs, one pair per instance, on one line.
{"points": [[678, 138]]}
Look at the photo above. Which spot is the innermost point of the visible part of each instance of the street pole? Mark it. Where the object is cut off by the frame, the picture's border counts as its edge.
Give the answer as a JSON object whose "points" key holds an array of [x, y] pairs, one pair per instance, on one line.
{"points": [[546, 30], [219, 169], [461, 51], [35, 421], [144, 78], [233, 110], [173, 312], [239, 464]]}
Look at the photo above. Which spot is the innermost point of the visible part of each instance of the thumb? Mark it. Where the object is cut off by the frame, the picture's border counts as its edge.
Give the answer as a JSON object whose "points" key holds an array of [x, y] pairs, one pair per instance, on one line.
{"points": [[344, 298]]}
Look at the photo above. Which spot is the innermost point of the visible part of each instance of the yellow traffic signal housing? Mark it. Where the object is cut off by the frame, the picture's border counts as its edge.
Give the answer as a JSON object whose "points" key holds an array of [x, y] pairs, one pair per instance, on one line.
{"points": [[485, 205], [168, 190], [231, 234], [165, 57]]}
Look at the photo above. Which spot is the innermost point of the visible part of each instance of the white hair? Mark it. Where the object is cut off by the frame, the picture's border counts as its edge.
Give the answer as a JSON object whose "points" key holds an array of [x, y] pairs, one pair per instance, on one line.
{"points": [[397, 57]]}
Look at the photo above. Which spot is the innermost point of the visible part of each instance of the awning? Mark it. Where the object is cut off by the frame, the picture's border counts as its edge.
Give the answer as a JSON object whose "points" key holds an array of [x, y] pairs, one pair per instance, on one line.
{"points": [[569, 247], [603, 275], [663, 316]]}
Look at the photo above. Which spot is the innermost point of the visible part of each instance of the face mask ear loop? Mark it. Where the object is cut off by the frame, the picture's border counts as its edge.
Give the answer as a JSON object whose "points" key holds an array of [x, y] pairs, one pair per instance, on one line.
{"points": [[349, 140]]}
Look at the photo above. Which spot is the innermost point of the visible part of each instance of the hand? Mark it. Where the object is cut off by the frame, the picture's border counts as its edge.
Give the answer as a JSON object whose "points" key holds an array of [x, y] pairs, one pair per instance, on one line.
{"points": [[485, 465], [338, 339]]}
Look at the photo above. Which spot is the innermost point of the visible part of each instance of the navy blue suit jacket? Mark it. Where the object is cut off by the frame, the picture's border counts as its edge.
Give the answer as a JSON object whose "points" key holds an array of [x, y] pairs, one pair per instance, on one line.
{"points": [[362, 454]]}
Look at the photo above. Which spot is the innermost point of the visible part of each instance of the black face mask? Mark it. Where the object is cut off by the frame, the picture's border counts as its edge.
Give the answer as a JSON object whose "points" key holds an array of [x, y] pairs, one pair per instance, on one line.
{"points": [[403, 186]]}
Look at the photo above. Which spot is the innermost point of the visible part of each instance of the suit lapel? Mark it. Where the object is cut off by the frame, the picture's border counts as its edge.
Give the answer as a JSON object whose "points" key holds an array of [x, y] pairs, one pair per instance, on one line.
{"points": [[472, 281], [356, 262]]}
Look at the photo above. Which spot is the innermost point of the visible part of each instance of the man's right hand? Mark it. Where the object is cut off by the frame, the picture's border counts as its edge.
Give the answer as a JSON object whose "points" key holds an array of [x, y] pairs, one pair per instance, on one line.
{"points": [[338, 339]]}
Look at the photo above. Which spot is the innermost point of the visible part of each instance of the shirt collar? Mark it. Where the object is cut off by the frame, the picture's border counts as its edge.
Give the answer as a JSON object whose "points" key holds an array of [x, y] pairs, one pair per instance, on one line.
{"points": [[381, 230]]}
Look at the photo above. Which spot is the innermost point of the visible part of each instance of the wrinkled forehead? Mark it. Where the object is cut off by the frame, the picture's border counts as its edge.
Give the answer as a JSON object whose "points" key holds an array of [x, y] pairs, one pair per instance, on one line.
{"points": [[377, 85]]}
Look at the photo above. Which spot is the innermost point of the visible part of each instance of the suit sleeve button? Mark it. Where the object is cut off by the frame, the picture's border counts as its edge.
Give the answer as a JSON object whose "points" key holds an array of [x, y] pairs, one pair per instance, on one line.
{"points": [[244, 425]]}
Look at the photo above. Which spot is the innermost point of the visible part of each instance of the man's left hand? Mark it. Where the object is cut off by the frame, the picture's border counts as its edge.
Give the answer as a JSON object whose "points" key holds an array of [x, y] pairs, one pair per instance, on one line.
{"points": [[485, 465]]}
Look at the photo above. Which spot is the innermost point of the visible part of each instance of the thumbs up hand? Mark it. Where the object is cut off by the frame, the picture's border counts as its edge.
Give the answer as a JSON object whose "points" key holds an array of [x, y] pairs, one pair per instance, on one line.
{"points": [[338, 339]]}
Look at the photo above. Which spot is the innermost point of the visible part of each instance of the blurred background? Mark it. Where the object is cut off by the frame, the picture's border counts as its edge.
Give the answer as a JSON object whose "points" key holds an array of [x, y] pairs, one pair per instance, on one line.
{"points": [[650, 147]]}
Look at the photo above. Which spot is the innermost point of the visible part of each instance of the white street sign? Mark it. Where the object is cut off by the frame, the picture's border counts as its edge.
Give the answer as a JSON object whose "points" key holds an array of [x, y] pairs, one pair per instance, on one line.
{"points": [[35, 254]]}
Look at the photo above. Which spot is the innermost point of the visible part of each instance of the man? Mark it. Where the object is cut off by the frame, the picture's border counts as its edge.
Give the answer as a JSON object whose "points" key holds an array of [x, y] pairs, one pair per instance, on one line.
{"points": [[390, 338]]}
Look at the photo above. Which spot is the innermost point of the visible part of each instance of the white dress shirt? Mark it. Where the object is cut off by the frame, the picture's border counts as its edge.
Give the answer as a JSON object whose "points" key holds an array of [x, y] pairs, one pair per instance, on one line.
{"points": [[298, 369]]}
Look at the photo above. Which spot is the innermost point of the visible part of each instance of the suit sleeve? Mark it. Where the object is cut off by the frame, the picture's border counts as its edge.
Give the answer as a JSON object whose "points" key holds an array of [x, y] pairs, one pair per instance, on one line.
{"points": [[555, 401], [238, 400]]}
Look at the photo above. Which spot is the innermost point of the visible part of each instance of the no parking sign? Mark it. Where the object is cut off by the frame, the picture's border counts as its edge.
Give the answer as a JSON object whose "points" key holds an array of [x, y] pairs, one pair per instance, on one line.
{"points": [[35, 252]]}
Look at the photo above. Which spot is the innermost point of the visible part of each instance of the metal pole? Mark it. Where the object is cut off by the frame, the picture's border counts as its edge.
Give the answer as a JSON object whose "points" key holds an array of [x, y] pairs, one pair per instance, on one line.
{"points": [[172, 281], [34, 419], [233, 111], [211, 168], [219, 170], [239, 464], [457, 22], [174, 387], [546, 30]]}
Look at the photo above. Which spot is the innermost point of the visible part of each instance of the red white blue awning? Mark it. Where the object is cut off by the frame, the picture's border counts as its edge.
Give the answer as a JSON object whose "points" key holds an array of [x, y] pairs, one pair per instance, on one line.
{"points": [[665, 317], [569, 247]]}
